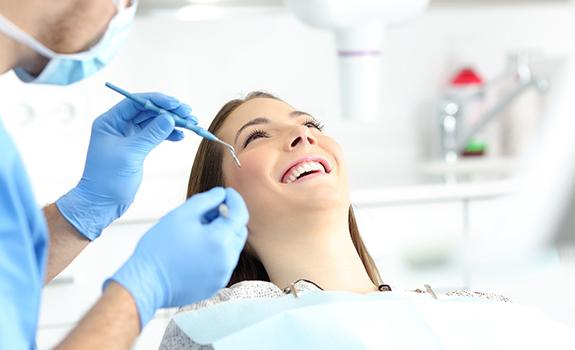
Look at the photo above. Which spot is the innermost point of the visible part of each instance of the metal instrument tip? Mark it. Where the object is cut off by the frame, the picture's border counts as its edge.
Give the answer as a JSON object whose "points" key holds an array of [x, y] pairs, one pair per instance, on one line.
{"points": [[232, 152]]}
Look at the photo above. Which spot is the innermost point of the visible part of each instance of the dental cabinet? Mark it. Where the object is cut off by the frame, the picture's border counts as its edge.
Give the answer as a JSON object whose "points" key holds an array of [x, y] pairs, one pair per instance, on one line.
{"points": [[417, 234]]}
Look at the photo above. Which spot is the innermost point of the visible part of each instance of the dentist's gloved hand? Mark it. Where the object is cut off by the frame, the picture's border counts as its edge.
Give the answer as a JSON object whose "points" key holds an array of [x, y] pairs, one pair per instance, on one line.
{"points": [[121, 139], [182, 259]]}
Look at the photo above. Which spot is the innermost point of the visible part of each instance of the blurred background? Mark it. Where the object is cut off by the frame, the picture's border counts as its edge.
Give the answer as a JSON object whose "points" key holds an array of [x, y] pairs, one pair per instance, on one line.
{"points": [[438, 111]]}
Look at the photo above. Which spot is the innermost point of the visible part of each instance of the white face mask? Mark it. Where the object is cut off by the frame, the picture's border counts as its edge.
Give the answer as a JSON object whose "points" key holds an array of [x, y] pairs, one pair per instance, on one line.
{"points": [[65, 69]]}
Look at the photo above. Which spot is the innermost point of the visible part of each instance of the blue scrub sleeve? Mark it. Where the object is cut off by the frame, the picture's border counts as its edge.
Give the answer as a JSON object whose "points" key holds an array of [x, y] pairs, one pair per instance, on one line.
{"points": [[23, 250]]}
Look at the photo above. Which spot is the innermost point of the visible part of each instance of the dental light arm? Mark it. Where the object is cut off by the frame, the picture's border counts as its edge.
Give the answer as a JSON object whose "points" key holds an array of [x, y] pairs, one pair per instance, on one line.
{"points": [[359, 27]]}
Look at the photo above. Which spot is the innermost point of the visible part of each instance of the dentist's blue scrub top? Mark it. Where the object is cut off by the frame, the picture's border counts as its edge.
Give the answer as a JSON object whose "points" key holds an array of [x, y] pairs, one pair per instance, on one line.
{"points": [[23, 250]]}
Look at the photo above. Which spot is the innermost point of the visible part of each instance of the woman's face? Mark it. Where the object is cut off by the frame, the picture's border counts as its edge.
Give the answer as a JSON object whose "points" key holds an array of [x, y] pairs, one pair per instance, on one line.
{"points": [[288, 165]]}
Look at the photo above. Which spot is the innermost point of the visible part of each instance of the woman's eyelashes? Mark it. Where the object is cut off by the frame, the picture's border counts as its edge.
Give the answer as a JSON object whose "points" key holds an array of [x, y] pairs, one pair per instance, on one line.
{"points": [[258, 133], [314, 123]]}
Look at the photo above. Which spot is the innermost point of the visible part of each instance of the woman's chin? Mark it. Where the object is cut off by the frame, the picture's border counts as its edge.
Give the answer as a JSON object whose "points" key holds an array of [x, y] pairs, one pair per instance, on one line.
{"points": [[317, 194]]}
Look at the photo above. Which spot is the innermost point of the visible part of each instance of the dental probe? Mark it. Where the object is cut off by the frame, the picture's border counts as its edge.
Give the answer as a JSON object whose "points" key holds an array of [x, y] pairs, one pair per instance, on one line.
{"points": [[180, 122]]}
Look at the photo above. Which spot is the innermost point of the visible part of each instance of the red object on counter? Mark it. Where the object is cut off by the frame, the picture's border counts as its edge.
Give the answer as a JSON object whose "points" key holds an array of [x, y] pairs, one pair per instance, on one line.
{"points": [[465, 83], [467, 76]]}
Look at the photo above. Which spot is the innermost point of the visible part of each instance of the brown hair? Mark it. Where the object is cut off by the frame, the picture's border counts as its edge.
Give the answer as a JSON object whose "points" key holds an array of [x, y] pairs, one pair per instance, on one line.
{"points": [[207, 173]]}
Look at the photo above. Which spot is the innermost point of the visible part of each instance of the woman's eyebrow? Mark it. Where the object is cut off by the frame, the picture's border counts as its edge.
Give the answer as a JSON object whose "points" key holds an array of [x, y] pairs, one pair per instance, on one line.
{"points": [[256, 121], [295, 114]]}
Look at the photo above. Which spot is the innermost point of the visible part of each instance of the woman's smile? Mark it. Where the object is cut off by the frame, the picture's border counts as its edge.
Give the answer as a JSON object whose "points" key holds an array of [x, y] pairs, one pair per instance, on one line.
{"points": [[305, 168]]}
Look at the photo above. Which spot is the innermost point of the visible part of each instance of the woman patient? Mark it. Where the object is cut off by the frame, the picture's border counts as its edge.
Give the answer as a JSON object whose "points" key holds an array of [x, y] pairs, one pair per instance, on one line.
{"points": [[302, 230]]}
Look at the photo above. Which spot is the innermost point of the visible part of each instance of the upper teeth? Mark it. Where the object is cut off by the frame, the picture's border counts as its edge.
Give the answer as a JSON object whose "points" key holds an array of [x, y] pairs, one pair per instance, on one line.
{"points": [[303, 168]]}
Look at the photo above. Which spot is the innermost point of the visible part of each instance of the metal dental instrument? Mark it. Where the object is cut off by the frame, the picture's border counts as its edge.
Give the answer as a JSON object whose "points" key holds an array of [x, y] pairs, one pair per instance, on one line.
{"points": [[180, 122]]}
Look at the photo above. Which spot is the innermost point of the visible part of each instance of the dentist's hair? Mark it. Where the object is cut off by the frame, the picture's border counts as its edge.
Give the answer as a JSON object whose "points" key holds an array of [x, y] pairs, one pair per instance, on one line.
{"points": [[207, 173]]}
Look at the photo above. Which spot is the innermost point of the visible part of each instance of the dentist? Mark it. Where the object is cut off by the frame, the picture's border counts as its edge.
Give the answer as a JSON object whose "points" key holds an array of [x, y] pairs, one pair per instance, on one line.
{"points": [[179, 261]]}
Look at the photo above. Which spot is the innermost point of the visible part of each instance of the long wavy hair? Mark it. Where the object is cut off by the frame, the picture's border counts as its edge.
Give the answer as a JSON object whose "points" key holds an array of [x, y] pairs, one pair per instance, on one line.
{"points": [[207, 173]]}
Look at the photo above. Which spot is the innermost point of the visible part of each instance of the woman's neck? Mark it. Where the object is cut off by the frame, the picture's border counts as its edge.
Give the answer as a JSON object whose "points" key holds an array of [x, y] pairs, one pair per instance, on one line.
{"points": [[319, 251]]}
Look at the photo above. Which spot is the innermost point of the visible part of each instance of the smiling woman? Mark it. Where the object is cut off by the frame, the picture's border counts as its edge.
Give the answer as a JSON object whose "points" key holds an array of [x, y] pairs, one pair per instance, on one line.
{"points": [[279, 146], [302, 233], [302, 229]]}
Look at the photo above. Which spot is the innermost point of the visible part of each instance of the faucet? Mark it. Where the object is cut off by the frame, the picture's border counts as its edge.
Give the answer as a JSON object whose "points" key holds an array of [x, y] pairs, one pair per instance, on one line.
{"points": [[454, 133]]}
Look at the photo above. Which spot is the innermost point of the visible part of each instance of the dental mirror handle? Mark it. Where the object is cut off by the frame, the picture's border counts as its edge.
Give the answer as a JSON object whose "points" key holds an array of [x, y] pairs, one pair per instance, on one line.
{"points": [[150, 106], [179, 121], [222, 210]]}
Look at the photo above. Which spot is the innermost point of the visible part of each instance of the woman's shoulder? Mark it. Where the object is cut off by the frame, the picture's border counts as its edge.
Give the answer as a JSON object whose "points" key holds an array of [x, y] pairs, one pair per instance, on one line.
{"points": [[462, 293], [477, 295], [240, 290]]}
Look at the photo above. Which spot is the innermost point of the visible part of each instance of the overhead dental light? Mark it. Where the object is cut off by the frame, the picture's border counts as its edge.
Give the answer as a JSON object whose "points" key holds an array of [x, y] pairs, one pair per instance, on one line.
{"points": [[359, 27]]}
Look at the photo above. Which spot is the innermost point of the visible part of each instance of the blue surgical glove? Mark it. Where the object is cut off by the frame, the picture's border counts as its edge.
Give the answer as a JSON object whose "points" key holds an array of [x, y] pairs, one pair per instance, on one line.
{"points": [[184, 258], [121, 139]]}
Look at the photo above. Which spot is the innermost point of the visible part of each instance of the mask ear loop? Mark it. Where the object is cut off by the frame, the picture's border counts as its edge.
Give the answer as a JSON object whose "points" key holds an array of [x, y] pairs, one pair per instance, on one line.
{"points": [[13, 31]]}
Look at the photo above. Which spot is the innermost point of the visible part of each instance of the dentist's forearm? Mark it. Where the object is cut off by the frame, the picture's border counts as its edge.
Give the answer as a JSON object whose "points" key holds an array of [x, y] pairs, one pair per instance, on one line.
{"points": [[113, 323], [65, 242]]}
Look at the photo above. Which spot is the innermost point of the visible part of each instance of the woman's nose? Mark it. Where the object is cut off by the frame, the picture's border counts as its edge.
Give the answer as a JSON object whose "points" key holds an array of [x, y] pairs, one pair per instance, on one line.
{"points": [[301, 136]]}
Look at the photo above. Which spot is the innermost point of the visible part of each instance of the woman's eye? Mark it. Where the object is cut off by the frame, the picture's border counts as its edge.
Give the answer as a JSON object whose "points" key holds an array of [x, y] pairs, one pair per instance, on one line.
{"points": [[254, 135], [314, 124]]}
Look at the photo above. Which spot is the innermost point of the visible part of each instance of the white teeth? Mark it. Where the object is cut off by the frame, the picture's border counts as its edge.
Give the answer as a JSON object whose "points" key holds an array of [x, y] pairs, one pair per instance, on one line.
{"points": [[302, 168]]}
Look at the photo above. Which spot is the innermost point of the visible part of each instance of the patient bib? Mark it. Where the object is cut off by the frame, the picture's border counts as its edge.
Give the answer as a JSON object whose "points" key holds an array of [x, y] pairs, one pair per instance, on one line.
{"points": [[395, 320]]}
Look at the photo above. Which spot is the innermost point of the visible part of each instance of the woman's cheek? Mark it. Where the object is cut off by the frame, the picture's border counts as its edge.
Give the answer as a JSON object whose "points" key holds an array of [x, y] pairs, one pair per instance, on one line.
{"points": [[251, 176], [332, 146], [336, 151], [252, 163]]}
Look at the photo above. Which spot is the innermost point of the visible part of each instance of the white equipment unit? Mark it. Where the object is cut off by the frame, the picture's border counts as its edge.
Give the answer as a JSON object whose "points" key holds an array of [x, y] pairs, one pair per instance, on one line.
{"points": [[359, 27]]}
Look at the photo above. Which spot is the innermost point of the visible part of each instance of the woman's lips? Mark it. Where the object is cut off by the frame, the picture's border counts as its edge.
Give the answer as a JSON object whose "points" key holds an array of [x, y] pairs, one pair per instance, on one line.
{"points": [[311, 164]]}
